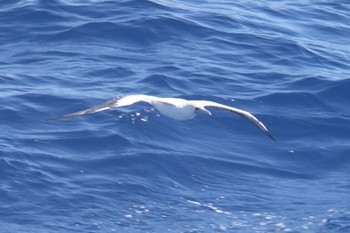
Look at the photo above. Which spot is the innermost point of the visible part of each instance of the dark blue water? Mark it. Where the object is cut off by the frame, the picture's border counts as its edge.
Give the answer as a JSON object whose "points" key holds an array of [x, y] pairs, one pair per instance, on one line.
{"points": [[131, 170]]}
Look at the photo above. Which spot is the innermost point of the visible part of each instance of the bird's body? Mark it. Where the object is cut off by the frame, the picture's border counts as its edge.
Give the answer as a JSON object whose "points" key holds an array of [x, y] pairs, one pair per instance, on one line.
{"points": [[175, 108]]}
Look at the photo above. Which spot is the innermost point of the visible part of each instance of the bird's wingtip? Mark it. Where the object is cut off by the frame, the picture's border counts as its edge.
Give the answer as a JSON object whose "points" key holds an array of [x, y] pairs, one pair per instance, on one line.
{"points": [[270, 136]]}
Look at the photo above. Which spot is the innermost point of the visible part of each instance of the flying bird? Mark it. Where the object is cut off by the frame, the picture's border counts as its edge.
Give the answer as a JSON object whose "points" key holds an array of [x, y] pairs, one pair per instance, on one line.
{"points": [[175, 108]]}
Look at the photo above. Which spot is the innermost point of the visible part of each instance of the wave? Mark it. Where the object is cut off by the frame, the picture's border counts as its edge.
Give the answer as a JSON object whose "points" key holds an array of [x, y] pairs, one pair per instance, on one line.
{"points": [[131, 169], [336, 92]]}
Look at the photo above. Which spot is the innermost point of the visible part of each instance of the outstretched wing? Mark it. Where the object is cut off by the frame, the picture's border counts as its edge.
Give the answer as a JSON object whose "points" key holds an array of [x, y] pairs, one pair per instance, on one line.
{"points": [[246, 115], [114, 103]]}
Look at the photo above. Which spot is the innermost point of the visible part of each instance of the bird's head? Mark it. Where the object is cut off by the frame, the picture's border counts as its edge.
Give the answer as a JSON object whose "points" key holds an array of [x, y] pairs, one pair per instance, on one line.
{"points": [[199, 110]]}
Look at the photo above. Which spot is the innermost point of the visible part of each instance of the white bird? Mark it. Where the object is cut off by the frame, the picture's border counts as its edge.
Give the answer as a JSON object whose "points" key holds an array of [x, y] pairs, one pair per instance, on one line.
{"points": [[175, 108]]}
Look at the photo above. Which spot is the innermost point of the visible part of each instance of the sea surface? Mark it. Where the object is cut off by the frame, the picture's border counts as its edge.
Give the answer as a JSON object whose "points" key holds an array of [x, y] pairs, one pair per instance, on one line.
{"points": [[131, 169]]}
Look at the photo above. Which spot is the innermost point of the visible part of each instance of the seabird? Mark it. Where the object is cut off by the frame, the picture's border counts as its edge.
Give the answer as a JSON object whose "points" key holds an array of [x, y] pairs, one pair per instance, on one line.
{"points": [[175, 108]]}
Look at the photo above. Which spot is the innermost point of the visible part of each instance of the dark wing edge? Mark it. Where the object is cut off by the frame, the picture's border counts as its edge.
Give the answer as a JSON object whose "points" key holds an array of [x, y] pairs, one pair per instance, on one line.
{"points": [[244, 114], [105, 106], [256, 122]]}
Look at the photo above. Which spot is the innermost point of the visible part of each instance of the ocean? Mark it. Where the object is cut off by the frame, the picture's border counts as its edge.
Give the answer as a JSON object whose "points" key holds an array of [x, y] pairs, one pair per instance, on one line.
{"points": [[131, 169]]}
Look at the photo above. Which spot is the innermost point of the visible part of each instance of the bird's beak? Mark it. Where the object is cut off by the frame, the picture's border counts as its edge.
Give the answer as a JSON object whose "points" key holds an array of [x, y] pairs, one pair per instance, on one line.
{"points": [[203, 111], [206, 111]]}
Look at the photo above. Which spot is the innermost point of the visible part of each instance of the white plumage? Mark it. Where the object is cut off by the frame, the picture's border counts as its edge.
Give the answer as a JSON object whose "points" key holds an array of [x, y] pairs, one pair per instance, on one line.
{"points": [[175, 108]]}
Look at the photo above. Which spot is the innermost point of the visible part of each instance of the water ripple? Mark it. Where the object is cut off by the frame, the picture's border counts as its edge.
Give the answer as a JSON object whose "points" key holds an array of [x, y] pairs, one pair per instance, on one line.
{"points": [[131, 169]]}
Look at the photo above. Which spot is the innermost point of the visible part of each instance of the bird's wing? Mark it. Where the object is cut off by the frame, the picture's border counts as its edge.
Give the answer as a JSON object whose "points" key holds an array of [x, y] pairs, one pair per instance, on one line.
{"points": [[246, 115], [114, 103]]}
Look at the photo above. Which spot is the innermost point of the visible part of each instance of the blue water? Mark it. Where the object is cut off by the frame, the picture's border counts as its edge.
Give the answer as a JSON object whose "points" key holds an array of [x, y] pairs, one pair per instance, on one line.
{"points": [[132, 170]]}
